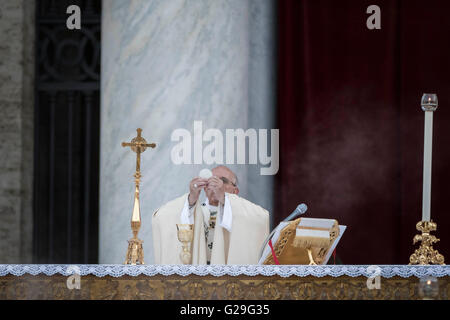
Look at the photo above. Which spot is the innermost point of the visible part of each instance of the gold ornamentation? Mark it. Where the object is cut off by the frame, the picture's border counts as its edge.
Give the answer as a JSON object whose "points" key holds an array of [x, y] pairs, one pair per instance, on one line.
{"points": [[286, 236], [287, 248], [135, 251], [212, 222], [311, 259], [175, 287], [317, 247], [185, 236], [426, 254]]}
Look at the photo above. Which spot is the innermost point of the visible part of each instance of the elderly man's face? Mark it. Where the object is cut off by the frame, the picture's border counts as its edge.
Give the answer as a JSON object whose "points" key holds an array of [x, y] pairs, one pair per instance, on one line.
{"points": [[228, 178]]}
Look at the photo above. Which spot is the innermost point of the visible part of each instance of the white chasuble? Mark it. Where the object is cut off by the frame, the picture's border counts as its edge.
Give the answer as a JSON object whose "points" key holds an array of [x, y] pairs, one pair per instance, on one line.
{"points": [[237, 238]]}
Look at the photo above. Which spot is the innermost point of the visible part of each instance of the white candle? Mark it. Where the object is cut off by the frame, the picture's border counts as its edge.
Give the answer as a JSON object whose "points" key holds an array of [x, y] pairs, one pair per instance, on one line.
{"points": [[429, 105], [428, 146]]}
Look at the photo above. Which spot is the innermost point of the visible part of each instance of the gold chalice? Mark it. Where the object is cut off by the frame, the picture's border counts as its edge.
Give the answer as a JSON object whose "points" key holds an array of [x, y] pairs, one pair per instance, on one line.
{"points": [[185, 236]]}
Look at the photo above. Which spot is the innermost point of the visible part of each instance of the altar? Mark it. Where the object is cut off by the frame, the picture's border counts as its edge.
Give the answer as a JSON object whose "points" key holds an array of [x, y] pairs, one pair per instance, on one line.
{"points": [[218, 282]]}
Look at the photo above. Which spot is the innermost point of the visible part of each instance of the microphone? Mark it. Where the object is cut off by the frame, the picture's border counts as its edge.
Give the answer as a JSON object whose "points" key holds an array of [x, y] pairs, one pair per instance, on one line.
{"points": [[301, 209]]}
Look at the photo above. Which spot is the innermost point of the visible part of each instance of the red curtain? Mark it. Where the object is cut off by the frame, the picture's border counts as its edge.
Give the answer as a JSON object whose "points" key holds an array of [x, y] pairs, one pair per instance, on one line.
{"points": [[351, 126]]}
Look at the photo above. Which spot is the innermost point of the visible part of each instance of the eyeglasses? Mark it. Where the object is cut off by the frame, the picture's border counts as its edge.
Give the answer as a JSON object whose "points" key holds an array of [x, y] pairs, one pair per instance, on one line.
{"points": [[226, 181]]}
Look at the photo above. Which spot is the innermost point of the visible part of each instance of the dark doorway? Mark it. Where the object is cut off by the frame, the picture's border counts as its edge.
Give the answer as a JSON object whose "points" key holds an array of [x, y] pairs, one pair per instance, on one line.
{"points": [[67, 126]]}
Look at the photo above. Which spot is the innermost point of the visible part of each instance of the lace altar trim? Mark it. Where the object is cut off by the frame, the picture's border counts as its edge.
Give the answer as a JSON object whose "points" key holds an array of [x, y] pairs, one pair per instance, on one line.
{"points": [[101, 270]]}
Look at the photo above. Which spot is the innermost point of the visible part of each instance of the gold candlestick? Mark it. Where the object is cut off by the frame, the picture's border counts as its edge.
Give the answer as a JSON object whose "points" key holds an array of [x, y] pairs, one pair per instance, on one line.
{"points": [[135, 251], [426, 254]]}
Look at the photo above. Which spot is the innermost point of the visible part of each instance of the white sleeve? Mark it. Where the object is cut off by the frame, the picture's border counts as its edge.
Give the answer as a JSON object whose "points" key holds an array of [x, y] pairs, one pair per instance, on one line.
{"points": [[227, 217], [187, 214]]}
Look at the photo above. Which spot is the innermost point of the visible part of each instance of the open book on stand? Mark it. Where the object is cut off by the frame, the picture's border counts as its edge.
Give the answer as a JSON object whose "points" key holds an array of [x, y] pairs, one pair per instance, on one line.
{"points": [[303, 241]]}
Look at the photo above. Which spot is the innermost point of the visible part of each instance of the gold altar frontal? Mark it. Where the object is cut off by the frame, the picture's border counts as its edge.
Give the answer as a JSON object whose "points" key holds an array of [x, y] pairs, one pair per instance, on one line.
{"points": [[193, 287]]}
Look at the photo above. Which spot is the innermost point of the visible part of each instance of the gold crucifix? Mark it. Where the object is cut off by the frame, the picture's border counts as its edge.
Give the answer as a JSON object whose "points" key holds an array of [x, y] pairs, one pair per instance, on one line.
{"points": [[135, 252], [138, 145]]}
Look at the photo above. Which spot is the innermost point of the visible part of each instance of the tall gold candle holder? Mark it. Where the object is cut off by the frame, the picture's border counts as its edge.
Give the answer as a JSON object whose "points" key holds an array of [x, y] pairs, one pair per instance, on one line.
{"points": [[426, 254], [135, 251]]}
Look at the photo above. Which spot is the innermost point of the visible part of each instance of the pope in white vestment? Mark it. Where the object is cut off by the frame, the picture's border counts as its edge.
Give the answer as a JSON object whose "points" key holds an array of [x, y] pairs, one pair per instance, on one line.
{"points": [[228, 229]]}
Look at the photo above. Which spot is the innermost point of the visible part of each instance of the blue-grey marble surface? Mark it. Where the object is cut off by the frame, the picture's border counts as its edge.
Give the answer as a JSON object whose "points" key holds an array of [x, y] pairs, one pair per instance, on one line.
{"points": [[166, 64]]}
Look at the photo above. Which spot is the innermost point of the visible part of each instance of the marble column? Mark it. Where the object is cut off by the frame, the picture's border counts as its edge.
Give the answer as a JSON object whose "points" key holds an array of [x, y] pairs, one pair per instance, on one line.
{"points": [[16, 130], [166, 64]]}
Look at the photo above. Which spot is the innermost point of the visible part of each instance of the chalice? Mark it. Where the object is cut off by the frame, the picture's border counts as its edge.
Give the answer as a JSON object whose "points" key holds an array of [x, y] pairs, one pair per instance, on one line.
{"points": [[185, 236]]}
